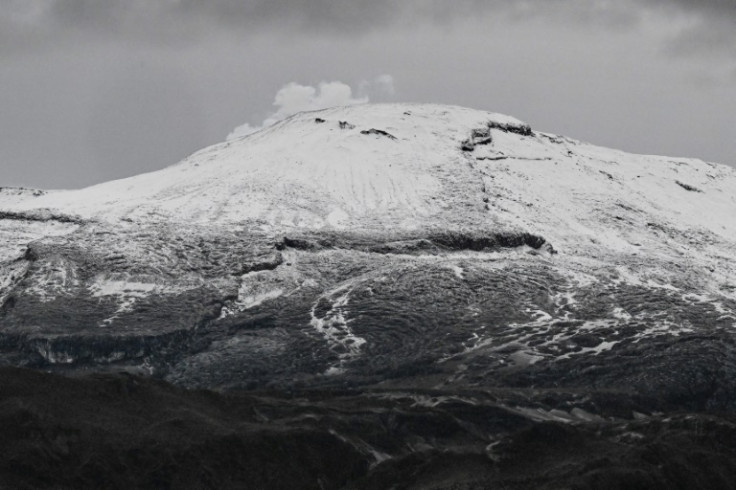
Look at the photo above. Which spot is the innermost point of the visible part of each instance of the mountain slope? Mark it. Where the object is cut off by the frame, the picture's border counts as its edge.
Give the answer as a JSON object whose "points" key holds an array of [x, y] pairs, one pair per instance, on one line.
{"points": [[384, 187], [439, 262], [405, 167]]}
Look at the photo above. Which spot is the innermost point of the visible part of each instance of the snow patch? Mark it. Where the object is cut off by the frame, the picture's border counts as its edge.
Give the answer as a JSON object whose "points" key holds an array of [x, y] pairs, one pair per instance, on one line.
{"points": [[109, 287], [127, 292], [663, 327], [457, 270], [334, 327], [337, 218], [255, 300]]}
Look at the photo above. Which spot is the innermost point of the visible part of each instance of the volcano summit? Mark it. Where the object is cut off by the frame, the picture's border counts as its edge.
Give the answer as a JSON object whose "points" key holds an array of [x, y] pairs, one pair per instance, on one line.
{"points": [[420, 296]]}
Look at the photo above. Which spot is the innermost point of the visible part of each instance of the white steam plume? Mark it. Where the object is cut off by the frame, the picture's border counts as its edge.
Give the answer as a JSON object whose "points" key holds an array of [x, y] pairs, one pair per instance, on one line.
{"points": [[293, 98]]}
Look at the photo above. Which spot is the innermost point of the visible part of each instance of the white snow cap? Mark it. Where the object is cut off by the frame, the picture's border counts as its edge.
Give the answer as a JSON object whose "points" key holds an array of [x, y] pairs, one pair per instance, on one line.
{"points": [[371, 167]]}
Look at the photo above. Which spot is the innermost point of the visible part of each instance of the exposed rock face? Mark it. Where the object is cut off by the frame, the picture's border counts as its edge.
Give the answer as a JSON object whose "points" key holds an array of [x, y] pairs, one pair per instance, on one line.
{"points": [[487, 288]]}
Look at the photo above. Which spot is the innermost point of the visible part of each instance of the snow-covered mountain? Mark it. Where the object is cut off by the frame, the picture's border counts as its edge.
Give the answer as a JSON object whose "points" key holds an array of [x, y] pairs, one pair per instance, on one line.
{"points": [[408, 166], [442, 187], [419, 253], [398, 168]]}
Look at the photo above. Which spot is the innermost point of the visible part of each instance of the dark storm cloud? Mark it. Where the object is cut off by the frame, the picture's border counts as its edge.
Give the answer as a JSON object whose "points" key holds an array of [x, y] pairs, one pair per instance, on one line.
{"points": [[712, 38], [30, 24], [184, 18], [711, 7], [712, 29]]}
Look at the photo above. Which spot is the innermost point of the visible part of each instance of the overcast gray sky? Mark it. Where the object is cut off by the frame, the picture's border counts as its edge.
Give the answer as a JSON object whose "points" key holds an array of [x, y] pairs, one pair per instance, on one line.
{"points": [[92, 90]]}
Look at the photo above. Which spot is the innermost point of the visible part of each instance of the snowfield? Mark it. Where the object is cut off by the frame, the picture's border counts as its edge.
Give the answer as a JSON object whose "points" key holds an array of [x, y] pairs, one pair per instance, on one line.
{"points": [[403, 167]]}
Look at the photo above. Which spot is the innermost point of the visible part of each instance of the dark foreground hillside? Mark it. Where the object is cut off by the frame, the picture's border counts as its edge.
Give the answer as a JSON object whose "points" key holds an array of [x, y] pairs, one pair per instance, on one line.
{"points": [[122, 431]]}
